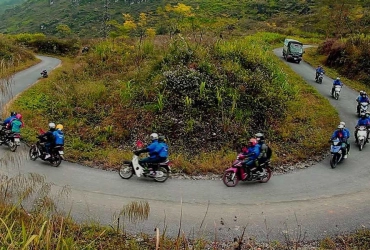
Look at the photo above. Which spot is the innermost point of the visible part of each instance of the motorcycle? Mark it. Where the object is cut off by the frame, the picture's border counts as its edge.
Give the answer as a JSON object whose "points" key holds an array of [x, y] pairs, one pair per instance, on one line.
{"points": [[361, 137], [236, 172], [129, 168], [363, 108], [336, 152], [38, 151], [320, 77], [44, 74], [336, 92], [13, 140]]}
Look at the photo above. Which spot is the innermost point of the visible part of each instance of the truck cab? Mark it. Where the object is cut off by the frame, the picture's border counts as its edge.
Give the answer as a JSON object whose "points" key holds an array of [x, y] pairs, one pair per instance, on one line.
{"points": [[293, 50]]}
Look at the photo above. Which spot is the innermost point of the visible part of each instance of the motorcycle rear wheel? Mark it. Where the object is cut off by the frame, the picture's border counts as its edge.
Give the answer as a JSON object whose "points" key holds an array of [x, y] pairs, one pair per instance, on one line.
{"points": [[165, 175], [55, 162], [230, 179], [334, 161], [126, 171], [33, 153], [336, 96], [268, 177]]}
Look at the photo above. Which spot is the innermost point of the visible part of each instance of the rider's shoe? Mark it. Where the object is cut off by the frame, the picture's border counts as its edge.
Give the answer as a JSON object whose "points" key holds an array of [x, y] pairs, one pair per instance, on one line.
{"points": [[345, 156], [47, 156], [152, 173]]}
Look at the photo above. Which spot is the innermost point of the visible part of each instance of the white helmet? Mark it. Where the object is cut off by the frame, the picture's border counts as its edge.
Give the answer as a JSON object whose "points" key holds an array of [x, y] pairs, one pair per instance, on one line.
{"points": [[338, 78], [340, 126], [342, 123], [154, 136], [51, 125]]}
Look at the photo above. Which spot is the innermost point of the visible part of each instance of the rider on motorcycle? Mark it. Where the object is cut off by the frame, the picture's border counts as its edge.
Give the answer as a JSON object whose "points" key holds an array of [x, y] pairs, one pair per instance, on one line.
{"points": [[11, 117], [335, 83], [362, 98], [348, 134], [363, 121], [319, 70], [154, 150], [342, 136], [49, 139], [15, 124], [253, 153]]}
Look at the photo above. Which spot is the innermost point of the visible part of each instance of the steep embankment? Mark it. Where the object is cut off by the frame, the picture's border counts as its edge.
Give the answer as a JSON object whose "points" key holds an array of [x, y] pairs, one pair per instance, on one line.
{"points": [[207, 99], [13, 58]]}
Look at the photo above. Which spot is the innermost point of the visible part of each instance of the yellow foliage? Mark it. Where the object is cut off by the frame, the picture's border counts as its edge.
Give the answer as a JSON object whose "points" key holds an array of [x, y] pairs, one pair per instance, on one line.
{"points": [[150, 32]]}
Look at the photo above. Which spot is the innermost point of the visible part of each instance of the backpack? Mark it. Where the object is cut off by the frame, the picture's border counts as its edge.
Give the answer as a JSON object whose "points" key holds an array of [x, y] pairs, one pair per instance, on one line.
{"points": [[59, 137]]}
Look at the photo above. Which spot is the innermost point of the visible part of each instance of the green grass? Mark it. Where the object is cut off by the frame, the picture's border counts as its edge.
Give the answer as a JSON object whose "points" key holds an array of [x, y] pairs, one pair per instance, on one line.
{"points": [[213, 96]]}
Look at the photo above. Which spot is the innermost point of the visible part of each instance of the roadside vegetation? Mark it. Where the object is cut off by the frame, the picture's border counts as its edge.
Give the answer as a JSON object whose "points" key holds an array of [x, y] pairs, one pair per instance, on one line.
{"points": [[30, 219], [208, 98], [14, 58], [347, 58]]}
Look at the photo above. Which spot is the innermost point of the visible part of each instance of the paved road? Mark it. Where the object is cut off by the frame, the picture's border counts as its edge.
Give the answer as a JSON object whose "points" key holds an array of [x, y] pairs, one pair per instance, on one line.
{"points": [[324, 201]]}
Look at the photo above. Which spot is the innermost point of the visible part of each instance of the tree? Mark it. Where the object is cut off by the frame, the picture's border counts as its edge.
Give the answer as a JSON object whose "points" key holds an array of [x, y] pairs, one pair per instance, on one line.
{"points": [[64, 30]]}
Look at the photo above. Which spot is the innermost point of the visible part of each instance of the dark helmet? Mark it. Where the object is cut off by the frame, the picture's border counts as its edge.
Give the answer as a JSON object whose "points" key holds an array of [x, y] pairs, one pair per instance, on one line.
{"points": [[13, 113], [259, 137]]}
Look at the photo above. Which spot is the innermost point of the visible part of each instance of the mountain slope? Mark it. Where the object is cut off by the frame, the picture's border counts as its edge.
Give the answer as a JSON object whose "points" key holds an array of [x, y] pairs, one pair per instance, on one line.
{"points": [[85, 18]]}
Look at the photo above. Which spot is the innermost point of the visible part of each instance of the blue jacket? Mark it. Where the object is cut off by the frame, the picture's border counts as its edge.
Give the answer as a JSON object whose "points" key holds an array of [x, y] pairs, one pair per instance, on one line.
{"points": [[9, 119], [348, 134], [254, 152], [162, 149], [153, 149], [342, 135], [362, 99], [337, 82], [319, 70], [363, 122], [59, 137]]}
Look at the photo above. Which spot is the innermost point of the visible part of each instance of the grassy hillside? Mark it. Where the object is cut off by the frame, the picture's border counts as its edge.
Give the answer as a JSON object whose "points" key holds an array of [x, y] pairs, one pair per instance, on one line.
{"points": [[9, 4], [208, 98], [85, 18], [13, 58]]}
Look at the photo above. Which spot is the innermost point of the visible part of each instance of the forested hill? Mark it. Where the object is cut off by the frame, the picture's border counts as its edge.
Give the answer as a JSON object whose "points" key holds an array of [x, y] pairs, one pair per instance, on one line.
{"points": [[8, 4], [84, 18]]}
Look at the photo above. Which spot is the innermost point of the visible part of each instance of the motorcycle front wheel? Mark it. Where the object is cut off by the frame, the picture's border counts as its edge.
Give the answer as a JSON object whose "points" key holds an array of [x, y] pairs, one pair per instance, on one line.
{"points": [[336, 96], [267, 176], [126, 171], [361, 144], [55, 162], [13, 146], [164, 176], [230, 179], [33, 153], [334, 161]]}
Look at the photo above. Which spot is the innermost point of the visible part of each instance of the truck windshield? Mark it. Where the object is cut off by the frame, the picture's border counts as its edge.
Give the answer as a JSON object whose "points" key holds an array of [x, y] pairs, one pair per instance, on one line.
{"points": [[296, 48]]}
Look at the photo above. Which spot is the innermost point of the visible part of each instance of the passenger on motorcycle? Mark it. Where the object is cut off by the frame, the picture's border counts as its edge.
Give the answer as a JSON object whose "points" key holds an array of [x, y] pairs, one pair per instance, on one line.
{"points": [[319, 70], [335, 83], [342, 136], [254, 150], [49, 139], [59, 135], [15, 124], [265, 153], [154, 149], [362, 98], [363, 121], [348, 134]]}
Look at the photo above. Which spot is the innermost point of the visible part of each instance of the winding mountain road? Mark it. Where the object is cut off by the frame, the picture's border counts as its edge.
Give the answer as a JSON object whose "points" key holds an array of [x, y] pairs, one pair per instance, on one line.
{"points": [[319, 200]]}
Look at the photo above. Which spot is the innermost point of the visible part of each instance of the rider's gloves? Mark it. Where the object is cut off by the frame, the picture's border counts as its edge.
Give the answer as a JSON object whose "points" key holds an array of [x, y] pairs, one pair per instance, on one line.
{"points": [[256, 163]]}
